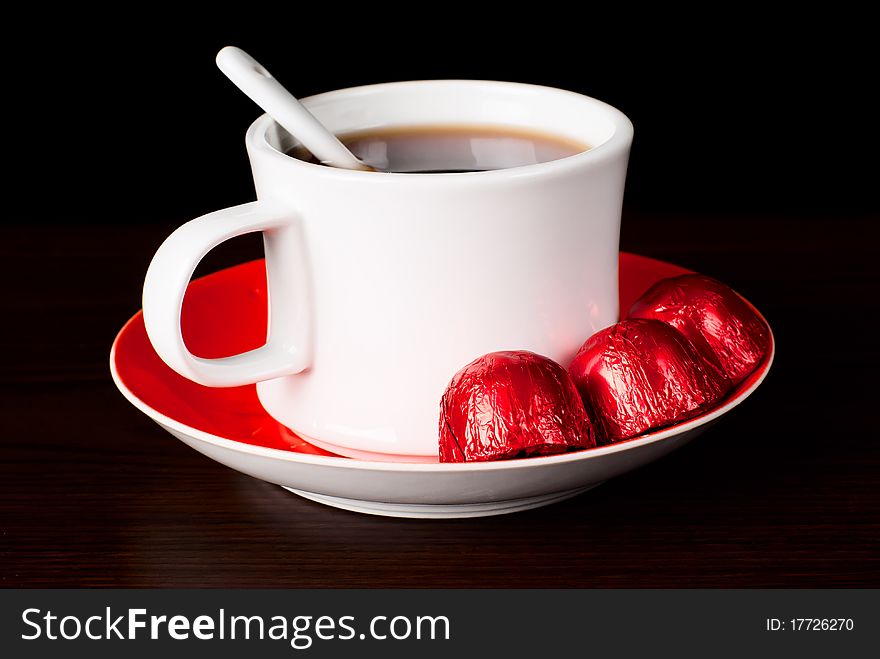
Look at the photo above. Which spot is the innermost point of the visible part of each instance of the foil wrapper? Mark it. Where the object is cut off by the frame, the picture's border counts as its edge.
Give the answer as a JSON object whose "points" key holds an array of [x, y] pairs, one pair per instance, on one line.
{"points": [[720, 324], [640, 375], [509, 405]]}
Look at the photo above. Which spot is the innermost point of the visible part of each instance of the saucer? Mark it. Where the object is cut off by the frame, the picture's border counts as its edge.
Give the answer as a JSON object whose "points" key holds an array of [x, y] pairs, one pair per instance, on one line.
{"points": [[225, 313]]}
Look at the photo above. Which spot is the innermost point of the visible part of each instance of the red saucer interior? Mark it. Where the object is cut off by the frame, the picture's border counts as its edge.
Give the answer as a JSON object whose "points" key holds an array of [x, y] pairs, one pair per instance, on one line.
{"points": [[225, 314]]}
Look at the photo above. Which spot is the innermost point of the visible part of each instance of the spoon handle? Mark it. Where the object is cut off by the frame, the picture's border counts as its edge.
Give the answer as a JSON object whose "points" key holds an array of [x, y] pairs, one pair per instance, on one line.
{"points": [[260, 86]]}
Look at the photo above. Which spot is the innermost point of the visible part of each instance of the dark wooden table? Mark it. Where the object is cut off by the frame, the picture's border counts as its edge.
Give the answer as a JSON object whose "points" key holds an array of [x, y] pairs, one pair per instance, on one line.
{"points": [[783, 492]]}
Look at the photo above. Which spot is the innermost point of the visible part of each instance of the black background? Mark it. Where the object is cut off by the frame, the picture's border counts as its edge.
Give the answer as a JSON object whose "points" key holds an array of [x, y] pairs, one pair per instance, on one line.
{"points": [[736, 112], [754, 161]]}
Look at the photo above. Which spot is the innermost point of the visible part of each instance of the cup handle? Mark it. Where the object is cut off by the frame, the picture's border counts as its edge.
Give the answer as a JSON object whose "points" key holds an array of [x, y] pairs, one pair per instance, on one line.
{"points": [[286, 350]]}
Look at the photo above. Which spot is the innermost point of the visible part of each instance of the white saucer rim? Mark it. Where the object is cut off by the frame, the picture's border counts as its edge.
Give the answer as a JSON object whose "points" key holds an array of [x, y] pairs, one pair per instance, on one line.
{"points": [[442, 511], [379, 466]]}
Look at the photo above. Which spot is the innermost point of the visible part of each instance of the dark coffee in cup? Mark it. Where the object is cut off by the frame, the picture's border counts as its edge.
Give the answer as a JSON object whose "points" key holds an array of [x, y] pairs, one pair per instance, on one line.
{"points": [[449, 149]]}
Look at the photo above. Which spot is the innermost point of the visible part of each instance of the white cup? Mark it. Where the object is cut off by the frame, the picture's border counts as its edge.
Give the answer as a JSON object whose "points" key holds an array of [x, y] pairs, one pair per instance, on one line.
{"points": [[383, 285]]}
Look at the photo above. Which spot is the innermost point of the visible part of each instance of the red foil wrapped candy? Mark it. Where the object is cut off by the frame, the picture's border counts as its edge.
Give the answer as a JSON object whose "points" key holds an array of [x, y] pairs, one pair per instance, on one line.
{"points": [[510, 405], [717, 321], [639, 375]]}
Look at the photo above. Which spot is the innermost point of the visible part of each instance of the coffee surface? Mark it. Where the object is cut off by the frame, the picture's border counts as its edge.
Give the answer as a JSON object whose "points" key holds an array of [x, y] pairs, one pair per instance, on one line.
{"points": [[454, 148]]}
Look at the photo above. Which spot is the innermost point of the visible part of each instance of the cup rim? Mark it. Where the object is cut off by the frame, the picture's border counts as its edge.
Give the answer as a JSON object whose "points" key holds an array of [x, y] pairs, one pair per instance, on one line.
{"points": [[619, 140]]}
